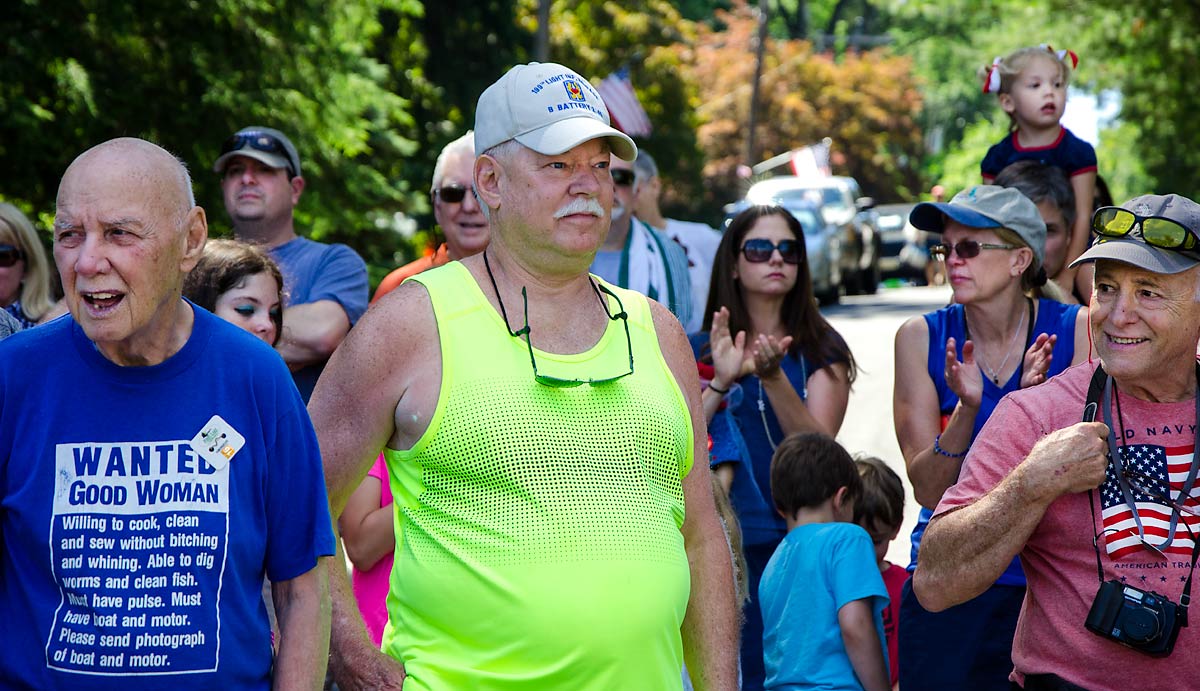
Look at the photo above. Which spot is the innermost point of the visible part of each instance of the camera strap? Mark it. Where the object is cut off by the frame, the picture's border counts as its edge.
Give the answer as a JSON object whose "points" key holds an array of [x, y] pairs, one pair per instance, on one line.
{"points": [[1100, 390]]}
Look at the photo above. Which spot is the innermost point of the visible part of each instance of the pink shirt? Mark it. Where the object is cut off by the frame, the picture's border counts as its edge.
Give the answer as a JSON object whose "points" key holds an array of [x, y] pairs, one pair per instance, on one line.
{"points": [[1058, 558], [371, 586]]}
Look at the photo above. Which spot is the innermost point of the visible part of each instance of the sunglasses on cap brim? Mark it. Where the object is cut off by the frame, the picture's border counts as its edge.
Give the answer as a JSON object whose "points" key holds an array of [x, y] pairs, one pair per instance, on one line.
{"points": [[259, 141], [1157, 231]]}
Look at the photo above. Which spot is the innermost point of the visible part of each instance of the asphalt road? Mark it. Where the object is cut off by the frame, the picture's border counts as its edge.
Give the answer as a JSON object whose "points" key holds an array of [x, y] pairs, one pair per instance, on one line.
{"points": [[869, 323]]}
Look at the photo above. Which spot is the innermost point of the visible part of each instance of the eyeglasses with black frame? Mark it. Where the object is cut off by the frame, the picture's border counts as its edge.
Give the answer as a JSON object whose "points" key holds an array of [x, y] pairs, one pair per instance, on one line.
{"points": [[623, 177], [453, 193], [10, 255], [1158, 231], [966, 249], [259, 141], [1144, 483], [759, 250], [555, 382]]}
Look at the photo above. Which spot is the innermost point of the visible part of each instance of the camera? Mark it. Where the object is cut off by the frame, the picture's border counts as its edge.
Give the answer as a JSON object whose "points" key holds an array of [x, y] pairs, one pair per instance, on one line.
{"points": [[1140, 619]]}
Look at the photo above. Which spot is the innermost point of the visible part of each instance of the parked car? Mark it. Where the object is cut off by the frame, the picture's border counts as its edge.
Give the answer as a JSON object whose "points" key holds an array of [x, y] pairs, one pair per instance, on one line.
{"points": [[904, 252], [822, 246], [843, 205]]}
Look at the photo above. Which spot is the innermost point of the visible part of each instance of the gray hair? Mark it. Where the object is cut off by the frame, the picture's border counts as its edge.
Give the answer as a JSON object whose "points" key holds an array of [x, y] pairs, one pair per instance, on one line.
{"points": [[463, 145], [644, 166], [500, 152]]}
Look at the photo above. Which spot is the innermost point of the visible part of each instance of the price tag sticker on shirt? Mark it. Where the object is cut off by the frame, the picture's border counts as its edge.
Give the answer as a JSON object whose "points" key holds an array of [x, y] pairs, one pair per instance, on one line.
{"points": [[217, 442]]}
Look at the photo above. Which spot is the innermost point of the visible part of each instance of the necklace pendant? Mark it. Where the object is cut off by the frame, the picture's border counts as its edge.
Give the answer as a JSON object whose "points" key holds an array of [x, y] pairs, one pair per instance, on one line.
{"points": [[996, 380]]}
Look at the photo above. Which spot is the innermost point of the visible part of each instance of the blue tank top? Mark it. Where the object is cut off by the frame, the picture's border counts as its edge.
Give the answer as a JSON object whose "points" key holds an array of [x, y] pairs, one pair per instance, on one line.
{"points": [[1053, 318]]}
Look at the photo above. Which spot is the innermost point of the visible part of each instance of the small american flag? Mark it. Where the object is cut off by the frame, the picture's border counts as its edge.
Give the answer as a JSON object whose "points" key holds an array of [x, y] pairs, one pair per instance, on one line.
{"points": [[1161, 471], [623, 105]]}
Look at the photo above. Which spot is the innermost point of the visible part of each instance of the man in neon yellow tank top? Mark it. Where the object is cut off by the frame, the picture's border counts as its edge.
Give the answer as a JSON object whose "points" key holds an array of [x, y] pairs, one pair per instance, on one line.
{"points": [[540, 428]]}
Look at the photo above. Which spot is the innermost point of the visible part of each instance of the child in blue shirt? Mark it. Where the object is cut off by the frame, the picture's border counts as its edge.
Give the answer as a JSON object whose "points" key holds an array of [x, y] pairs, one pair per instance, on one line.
{"points": [[821, 593]]}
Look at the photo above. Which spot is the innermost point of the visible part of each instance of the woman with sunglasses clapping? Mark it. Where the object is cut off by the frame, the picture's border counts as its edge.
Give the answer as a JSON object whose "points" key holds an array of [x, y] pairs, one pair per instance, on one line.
{"points": [[24, 269], [777, 367], [993, 245]]}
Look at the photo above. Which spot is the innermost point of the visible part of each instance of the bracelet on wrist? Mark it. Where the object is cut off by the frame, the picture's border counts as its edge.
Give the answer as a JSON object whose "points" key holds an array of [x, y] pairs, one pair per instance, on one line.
{"points": [[716, 389], [937, 448]]}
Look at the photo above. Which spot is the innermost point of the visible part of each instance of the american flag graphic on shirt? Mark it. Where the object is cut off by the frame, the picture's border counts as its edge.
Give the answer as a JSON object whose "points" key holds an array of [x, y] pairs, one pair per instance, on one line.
{"points": [[1161, 470]]}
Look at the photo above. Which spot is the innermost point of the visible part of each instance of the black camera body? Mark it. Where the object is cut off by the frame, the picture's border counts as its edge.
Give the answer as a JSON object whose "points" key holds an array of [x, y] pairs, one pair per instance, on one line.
{"points": [[1140, 619]]}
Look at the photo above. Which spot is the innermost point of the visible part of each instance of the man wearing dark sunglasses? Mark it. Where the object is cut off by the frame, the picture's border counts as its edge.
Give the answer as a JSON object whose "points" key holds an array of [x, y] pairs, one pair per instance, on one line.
{"points": [[539, 425], [325, 286], [157, 464], [638, 257], [456, 211], [1084, 503]]}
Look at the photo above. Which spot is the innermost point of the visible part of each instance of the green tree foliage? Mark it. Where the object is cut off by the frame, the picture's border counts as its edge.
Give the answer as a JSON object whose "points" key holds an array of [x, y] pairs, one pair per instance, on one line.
{"points": [[187, 75], [866, 103], [596, 39], [1149, 52]]}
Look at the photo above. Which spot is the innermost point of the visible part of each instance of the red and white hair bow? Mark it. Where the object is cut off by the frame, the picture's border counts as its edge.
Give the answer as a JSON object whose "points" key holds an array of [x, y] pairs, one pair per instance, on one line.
{"points": [[991, 81], [1063, 55]]}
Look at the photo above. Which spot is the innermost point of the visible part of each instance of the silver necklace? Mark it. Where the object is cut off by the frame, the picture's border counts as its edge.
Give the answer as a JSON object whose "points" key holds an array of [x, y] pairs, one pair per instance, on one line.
{"points": [[994, 374], [762, 413]]}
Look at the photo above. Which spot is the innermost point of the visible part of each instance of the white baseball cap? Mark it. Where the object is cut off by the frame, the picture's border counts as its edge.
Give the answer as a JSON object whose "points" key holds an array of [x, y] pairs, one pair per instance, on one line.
{"points": [[548, 108]]}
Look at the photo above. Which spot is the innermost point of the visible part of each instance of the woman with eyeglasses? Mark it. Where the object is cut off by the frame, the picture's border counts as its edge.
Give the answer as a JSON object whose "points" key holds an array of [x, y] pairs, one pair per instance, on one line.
{"points": [[24, 269], [778, 367], [952, 367]]}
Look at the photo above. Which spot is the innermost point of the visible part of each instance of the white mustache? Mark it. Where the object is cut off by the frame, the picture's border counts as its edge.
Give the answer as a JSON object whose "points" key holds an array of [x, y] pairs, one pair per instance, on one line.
{"points": [[581, 205]]}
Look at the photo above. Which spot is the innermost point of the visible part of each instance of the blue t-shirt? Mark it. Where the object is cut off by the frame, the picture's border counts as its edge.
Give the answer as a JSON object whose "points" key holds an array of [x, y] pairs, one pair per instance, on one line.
{"points": [[313, 271], [817, 569], [1068, 152], [1053, 318], [128, 560]]}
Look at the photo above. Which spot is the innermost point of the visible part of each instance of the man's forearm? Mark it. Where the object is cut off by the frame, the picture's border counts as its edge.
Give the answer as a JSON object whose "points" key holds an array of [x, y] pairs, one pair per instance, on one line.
{"points": [[353, 659], [302, 607], [710, 628], [311, 332], [965, 551]]}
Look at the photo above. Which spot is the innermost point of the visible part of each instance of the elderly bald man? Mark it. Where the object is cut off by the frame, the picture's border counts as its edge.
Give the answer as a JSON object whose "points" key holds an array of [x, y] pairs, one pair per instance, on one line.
{"points": [[155, 463]]}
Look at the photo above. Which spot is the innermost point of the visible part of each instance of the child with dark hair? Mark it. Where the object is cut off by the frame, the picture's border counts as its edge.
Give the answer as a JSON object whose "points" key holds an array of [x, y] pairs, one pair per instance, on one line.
{"points": [[821, 594], [880, 511], [241, 284]]}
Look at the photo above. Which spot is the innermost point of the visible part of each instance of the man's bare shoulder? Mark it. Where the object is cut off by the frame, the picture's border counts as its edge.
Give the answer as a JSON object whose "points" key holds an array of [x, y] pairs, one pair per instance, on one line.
{"points": [[394, 336], [406, 309]]}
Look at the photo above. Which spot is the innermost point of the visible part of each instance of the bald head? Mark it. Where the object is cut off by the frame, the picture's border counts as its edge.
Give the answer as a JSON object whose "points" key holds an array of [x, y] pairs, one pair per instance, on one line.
{"points": [[147, 170], [126, 231]]}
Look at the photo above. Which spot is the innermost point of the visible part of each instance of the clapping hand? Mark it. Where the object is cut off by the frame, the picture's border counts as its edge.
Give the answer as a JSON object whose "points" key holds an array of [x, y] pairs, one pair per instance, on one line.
{"points": [[728, 352], [768, 353], [964, 378], [1037, 360]]}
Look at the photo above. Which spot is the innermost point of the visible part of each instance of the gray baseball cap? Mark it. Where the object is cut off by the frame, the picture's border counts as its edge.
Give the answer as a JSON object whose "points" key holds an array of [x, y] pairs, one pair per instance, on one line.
{"points": [[987, 206], [548, 108], [1132, 248], [268, 146]]}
